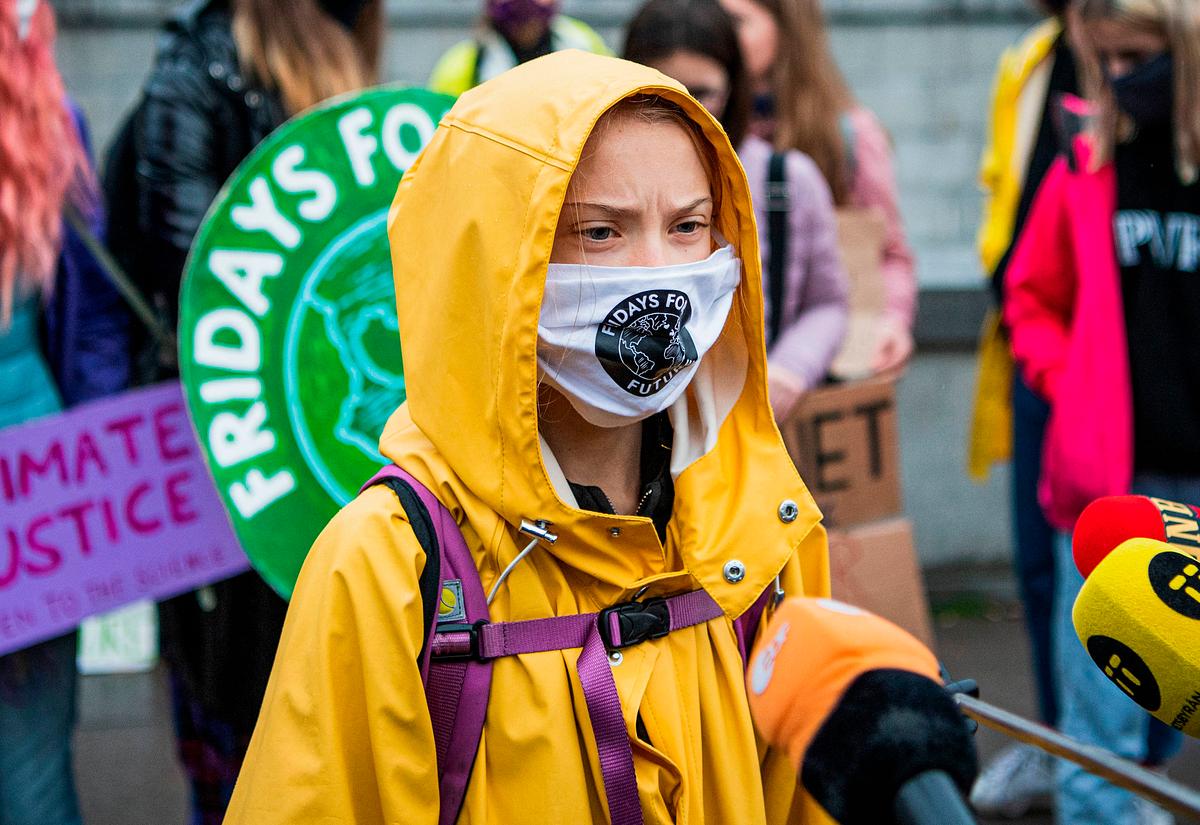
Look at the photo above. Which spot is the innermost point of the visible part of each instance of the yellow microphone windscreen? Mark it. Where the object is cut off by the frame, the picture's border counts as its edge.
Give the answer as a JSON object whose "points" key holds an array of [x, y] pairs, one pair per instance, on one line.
{"points": [[1138, 617]]}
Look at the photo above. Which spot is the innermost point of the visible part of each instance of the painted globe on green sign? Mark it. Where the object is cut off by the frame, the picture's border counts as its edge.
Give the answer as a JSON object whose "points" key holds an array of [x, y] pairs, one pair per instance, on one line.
{"points": [[289, 344], [345, 321]]}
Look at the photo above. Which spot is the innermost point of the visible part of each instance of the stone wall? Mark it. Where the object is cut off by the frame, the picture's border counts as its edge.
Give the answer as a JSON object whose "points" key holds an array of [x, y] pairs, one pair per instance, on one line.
{"points": [[924, 66], [604, 12]]}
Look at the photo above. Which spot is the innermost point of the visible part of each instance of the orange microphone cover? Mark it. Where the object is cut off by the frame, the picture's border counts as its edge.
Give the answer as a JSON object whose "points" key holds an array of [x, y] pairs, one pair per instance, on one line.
{"points": [[807, 657]]}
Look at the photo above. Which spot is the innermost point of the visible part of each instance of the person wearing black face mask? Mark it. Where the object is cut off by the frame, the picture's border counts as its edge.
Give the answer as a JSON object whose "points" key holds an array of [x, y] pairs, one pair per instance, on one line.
{"points": [[1146, 92], [1103, 305], [1156, 227], [510, 32], [227, 73]]}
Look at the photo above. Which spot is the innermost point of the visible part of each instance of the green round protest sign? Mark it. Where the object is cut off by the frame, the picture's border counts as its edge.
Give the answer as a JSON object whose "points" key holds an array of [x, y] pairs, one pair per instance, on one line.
{"points": [[288, 340]]}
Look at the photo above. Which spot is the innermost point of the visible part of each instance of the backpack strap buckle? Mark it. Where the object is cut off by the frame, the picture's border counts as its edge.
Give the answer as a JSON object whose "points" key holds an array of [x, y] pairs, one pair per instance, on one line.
{"points": [[779, 197], [458, 643], [631, 623]]}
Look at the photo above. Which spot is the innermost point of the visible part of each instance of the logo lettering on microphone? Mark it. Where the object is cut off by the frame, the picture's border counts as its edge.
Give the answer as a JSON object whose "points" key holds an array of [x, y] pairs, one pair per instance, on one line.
{"points": [[643, 342], [1181, 522], [764, 665], [1126, 670], [1175, 579], [1186, 712]]}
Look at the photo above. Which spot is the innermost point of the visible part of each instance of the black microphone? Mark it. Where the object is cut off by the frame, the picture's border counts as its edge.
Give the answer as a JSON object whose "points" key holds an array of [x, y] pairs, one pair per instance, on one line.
{"points": [[858, 705]]}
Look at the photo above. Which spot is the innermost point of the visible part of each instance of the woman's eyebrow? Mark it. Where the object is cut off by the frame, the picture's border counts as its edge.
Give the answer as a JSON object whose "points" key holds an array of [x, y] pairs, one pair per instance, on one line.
{"points": [[617, 212], [696, 204], [604, 208]]}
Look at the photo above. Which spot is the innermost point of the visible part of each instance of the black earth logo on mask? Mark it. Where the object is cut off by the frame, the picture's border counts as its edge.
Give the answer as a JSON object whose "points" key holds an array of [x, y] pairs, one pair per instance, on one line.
{"points": [[1175, 578], [1126, 670], [643, 342]]}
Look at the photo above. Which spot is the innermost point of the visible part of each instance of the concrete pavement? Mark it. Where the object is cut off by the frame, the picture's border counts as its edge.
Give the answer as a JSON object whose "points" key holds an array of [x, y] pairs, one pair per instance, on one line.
{"points": [[128, 775], [992, 649]]}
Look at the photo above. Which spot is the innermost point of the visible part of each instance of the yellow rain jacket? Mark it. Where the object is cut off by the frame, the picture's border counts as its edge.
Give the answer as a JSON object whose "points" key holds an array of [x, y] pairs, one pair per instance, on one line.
{"points": [[460, 67], [345, 735], [1022, 79]]}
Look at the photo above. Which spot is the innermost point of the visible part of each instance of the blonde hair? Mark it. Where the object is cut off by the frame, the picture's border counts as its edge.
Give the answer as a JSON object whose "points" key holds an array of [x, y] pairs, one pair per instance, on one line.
{"points": [[295, 48], [1178, 21], [811, 95]]}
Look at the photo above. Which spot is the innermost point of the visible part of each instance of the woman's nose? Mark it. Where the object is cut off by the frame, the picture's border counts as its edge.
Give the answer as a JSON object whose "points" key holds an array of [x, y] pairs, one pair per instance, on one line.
{"points": [[651, 252]]}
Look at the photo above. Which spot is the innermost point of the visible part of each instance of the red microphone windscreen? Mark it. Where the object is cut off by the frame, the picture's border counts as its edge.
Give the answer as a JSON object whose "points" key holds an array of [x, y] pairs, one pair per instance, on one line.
{"points": [[1111, 521]]}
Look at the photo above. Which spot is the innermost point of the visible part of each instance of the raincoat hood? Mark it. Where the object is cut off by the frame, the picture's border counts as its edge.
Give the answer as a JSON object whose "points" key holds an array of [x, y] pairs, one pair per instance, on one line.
{"points": [[471, 232], [345, 733]]}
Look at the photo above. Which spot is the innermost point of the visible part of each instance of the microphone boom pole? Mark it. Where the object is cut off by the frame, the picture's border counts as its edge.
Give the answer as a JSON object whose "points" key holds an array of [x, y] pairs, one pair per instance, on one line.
{"points": [[1119, 771]]}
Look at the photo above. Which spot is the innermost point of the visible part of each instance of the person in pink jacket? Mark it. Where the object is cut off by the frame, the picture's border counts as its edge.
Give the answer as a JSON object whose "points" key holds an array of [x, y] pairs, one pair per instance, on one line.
{"points": [[696, 43], [1102, 302], [802, 102]]}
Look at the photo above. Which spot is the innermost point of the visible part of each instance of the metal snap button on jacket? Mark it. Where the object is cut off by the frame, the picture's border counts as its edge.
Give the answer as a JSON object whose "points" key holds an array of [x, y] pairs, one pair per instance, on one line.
{"points": [[734, 571], [788, 511]]}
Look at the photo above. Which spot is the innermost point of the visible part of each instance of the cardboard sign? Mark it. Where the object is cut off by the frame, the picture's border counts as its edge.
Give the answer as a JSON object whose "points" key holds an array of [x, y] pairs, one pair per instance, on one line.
{"points": [[861, 235], [874, 567], [101, 506], [289, 344], [844, 441]]}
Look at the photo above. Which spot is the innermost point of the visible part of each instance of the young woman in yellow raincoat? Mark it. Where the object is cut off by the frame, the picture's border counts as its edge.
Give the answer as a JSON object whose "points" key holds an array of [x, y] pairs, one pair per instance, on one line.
{"points": [[547, 202]]}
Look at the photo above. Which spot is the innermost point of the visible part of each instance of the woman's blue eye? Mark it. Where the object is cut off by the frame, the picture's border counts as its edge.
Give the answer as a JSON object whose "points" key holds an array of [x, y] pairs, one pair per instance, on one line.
{"points": [[688, 227], [598, 233]]}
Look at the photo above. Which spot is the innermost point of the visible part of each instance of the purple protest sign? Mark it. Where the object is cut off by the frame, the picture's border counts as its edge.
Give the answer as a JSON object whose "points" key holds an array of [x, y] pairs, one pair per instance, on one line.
{"points": [[103, 505]]}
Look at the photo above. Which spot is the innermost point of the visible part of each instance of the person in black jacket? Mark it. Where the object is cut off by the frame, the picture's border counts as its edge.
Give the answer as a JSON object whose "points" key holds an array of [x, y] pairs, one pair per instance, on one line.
{"points": [[227, 72]]}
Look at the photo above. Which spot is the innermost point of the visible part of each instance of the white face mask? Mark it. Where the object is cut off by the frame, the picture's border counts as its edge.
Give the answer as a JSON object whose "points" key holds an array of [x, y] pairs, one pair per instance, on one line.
{"points": [[623, 343]]}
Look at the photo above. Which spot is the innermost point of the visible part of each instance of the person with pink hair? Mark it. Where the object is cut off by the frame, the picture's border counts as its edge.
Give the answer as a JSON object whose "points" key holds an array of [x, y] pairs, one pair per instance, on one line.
{"points": [[63, 339]]}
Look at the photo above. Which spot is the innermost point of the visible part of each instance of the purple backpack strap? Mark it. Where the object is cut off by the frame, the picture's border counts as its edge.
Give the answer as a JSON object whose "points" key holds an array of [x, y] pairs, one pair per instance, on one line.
{"points": [[456, 688], [462, 644], [611, 629], [745, 626]]}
